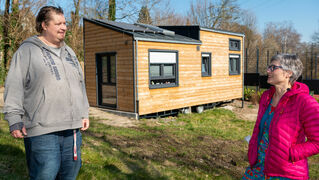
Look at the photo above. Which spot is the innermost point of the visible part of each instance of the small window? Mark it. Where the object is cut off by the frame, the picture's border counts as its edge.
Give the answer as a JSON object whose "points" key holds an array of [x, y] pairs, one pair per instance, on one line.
{"points": [[234, 44], [234, 64], [163, 69], [206, 64]]}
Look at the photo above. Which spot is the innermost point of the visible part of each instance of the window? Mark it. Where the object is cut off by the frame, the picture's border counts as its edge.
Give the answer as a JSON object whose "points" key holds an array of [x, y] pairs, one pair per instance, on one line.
{"points": [[163, 69], [234, 44], [109, 69], [234, 64], [206, 64]]}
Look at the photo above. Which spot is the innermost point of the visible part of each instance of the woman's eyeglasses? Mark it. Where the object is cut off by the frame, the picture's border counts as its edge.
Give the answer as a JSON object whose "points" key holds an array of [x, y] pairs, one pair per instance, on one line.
{"points": [[271, 68]]}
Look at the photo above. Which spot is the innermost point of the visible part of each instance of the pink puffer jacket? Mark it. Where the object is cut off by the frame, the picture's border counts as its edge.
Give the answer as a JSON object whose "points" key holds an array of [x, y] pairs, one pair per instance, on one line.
{"points": [[296, 118]]}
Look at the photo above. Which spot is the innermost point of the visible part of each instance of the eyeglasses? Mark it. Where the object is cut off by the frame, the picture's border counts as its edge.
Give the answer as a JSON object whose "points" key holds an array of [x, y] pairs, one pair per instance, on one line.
{"points": [[272, 68]]}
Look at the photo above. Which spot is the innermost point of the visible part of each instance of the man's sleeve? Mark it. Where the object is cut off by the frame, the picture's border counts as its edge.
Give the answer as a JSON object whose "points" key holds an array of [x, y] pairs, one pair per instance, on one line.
{"points": [[14, 87]]}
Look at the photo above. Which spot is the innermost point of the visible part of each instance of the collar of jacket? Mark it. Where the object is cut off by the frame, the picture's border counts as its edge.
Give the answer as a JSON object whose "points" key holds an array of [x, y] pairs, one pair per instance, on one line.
{"points": [[296, 88]]}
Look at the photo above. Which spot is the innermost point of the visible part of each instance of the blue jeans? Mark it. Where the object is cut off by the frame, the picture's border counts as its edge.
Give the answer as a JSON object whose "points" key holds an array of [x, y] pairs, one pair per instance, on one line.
{"points": [[50, 156]]}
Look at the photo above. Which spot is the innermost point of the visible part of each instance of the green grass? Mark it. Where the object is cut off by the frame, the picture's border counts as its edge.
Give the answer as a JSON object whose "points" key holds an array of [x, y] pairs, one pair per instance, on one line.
{"points": [[196, 146]]}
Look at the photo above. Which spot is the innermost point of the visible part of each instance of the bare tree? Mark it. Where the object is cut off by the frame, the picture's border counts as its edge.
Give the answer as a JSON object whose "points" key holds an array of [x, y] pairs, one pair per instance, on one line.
{"points": [[247, 25], [315, 37], [5, 34], [74, 34], [282, 36], [17, 25], [214, 15], [165, 15]]}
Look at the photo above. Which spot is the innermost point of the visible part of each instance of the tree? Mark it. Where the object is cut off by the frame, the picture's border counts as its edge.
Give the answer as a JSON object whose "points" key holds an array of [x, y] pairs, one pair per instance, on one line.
{"points": [[214, 15], [74, 37], [315, 37], [282, 36], [165, 15], [247, 24], [112, 10], [144, 16], [5, 34], [17, 25]]}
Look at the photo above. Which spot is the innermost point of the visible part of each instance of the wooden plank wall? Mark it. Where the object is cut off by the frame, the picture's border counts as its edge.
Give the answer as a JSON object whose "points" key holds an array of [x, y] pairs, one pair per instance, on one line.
{"points": [[193, 89], [99, 39]]}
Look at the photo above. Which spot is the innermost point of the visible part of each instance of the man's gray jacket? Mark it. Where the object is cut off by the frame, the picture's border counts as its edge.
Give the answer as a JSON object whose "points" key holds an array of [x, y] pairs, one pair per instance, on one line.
{"points": [[44, 90]]}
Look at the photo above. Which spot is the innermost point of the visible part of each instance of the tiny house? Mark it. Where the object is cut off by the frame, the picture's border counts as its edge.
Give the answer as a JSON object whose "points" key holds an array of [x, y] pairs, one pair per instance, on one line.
{"points": [[143, 70]]}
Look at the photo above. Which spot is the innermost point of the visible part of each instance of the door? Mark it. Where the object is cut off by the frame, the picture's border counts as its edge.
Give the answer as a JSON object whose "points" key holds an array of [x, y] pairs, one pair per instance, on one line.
{"points": [[106, 75]]}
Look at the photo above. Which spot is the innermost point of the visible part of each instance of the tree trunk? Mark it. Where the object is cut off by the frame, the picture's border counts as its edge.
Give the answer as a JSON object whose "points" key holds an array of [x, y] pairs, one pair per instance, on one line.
{"points": [[5, 33], [112, 6]]}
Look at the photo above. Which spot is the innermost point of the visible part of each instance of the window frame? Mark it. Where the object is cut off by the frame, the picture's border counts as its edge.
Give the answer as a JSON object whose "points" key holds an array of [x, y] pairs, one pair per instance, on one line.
{"points": [[209, 73], [161, 65], [238, 63], [232, 48]]}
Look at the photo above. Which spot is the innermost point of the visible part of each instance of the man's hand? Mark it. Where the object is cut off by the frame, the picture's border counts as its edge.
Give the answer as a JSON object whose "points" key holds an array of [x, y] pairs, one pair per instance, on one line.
{"points": [[85, 124], [19, 133]]}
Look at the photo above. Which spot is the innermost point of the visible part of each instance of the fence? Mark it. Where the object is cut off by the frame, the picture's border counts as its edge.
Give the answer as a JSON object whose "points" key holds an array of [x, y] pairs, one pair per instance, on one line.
{"points": [[256, 63]]}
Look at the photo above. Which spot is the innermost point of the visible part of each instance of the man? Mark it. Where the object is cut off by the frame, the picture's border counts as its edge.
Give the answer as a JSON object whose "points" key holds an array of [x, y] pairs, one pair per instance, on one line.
{"points": [[45, 100]]}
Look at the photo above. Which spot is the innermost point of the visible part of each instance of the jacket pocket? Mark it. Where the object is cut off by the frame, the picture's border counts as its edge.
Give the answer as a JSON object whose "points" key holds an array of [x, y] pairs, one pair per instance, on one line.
{"points": [[56, 107], [33, 118]]}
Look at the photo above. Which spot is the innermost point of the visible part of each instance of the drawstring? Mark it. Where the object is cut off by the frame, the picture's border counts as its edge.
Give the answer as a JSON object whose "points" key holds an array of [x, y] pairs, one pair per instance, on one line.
{"points": [[75, 155]]}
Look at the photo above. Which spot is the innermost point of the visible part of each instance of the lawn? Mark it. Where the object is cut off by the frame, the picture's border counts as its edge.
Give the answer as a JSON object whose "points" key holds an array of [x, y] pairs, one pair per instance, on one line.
{"points": [[196, 146]]}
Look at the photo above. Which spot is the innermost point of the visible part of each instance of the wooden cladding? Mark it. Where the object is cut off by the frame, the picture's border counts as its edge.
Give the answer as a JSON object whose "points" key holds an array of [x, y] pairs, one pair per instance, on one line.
{"points": [[193, 88], [98, 39]]}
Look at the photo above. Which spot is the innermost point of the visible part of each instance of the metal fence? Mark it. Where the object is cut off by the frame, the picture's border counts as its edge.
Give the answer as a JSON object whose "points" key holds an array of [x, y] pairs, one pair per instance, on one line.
{"points": [[257, 61]]}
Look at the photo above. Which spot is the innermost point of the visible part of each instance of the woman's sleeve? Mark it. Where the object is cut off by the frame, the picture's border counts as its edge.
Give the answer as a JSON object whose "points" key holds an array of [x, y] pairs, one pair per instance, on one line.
{"points": [[309, 117]]}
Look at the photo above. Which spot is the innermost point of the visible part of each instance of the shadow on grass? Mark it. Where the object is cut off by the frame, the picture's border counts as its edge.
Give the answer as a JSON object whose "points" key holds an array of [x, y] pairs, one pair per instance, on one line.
{"points": [[138, 168], [12, 162]]}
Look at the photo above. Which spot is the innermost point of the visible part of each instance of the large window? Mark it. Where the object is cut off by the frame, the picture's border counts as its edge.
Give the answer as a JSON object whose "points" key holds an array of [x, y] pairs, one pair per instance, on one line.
{"points": [[234, 44], [163, 69], [234, 64], [206, 64], [108, 69]]}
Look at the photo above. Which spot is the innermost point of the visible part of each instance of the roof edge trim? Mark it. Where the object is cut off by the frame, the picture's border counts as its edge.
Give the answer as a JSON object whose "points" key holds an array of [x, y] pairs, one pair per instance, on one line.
{"points": [[222, 32], [166, 41]]}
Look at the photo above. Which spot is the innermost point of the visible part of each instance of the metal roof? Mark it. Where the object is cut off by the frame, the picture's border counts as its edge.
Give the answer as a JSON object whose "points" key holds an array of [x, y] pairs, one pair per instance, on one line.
{"points": [[125, 26], [146, 32]]}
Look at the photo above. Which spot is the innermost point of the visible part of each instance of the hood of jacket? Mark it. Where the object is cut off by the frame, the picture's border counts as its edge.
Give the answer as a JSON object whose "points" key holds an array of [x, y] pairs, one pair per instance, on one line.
{"points": [[35, 40], [297, 88]]}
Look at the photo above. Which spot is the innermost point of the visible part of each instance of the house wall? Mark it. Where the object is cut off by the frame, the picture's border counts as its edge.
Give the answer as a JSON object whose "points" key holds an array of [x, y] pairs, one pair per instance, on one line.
{"points": [[98, 39], [193, 89]]}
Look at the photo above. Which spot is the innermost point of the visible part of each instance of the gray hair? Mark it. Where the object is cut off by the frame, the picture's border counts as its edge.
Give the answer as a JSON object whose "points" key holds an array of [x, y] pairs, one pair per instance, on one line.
{"points": [[289, 62]]}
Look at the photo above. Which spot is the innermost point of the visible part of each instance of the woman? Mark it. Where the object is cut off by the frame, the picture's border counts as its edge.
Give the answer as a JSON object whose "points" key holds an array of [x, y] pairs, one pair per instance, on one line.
{"points": [[287, 127]]}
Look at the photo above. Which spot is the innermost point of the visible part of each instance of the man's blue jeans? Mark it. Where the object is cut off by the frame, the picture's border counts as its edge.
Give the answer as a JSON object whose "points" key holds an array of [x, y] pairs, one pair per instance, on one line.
{"points": [[50, 156]]}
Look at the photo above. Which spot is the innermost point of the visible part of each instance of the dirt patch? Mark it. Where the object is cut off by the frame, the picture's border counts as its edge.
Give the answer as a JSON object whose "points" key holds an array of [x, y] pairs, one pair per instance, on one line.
{"points": [[112, 119], [205, 152], [248, 112]]}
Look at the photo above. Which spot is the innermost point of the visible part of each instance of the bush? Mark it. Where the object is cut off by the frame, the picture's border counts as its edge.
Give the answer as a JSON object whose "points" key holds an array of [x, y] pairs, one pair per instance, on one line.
{"points": [[248, 94], [252, 95]]}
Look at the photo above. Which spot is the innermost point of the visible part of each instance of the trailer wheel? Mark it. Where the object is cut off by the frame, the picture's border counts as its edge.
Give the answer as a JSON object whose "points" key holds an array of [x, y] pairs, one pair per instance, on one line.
{"points": [[199, 109]]}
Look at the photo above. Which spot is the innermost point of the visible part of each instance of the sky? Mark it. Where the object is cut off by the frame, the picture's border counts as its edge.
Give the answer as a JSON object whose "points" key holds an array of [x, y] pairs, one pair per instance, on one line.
{"points": [[303, 14]]}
